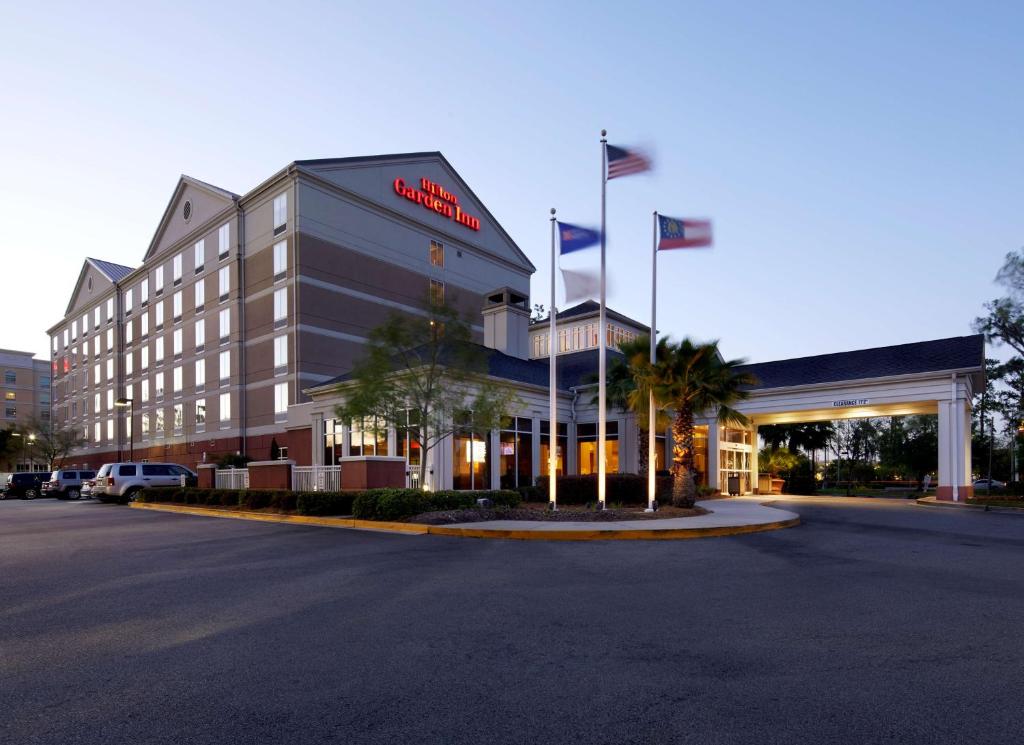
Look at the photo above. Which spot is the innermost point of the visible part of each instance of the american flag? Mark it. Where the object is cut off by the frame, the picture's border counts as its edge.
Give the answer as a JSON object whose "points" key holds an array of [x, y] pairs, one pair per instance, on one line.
{"points": [[622, 162]]}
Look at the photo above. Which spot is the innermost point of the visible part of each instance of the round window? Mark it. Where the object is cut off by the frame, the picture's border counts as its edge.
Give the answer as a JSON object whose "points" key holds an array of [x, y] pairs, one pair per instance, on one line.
{"points": [[186, 211]]}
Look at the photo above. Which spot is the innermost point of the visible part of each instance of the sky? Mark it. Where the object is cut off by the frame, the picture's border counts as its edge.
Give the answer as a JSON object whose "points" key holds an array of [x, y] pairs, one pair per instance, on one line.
{"points": [[863, 162]]}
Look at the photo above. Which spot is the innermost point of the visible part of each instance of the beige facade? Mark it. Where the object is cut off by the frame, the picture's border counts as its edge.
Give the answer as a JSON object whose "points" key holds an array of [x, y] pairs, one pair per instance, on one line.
{"points": [[243, 301], [26, 402]]}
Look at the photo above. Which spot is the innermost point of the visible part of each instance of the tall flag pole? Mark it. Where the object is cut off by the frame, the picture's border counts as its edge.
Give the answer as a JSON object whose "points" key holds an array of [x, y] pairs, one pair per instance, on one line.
{"points": [[603, 340], [652, 455], [552, 380]]}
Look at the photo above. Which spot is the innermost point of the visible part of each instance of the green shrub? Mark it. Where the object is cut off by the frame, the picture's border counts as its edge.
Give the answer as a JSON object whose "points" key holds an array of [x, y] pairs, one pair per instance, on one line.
{"points": [[325, 503]]}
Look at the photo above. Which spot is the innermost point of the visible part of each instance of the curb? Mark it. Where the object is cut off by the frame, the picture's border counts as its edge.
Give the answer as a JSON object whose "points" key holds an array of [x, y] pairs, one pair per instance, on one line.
{"points": [[933, 502], [270, 517], [666, 534]]}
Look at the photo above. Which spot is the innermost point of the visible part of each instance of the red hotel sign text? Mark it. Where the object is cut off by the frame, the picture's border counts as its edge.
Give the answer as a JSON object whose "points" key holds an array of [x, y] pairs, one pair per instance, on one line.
{"points": [[437, 199]]}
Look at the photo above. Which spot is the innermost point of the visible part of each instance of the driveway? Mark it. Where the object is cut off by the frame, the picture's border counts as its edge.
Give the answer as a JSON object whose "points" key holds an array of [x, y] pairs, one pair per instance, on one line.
{"points": [[874, 621]]}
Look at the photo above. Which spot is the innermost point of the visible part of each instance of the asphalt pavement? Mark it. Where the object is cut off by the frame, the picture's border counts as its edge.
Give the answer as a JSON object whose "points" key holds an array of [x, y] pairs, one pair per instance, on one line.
{"points": [[872, 622]]}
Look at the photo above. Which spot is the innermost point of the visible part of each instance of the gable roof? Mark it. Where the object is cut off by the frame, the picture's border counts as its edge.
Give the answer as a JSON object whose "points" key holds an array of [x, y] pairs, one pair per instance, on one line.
{"points": [[959, 353], [219, 194], [433, 155]]}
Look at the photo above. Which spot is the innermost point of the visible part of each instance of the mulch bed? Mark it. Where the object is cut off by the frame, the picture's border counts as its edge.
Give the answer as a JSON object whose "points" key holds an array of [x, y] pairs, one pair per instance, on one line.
{"points": [[539, 512]]}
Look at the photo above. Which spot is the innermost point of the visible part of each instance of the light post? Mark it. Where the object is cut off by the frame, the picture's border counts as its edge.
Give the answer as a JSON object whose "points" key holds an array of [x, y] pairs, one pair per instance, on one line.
{"points": [[121, 403], [26, 442]]}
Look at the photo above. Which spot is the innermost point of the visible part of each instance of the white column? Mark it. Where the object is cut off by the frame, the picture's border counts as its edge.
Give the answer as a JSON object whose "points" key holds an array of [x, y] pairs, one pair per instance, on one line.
{"points": [[494, 448], [317, 435], [535, 436], [954, 450], [714, 436], [753, 458]]}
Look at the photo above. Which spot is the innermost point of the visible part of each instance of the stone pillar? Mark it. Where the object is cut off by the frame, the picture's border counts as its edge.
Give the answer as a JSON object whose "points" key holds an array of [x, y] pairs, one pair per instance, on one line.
{"points": [[207, 475], [954, 451], [493, 440], [753, 459], [714, 436], [270, 474], [316, 433]]}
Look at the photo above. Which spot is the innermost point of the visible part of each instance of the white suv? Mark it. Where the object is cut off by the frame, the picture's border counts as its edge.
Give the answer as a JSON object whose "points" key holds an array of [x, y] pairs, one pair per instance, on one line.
{"points": [[120, 481]]}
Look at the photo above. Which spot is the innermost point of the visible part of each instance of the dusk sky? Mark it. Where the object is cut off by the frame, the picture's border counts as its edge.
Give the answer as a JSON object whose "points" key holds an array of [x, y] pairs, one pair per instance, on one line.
{"points": [[863, 162]]}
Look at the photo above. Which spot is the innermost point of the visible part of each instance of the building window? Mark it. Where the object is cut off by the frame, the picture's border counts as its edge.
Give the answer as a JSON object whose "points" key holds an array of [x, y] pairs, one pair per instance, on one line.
{"points": [[177, 341], [110, 309], [436, 292], [368, 436], [200, 290], [200, 413], [144, 358], [225, 407], [65, 338], [144, 390], [158, 349], [586, 447], [144, 325], [10, 395], [281, 399], [158, 385], [224, 282], [225, 325], [159, 417], [280, 213], [199, 254], [280, 307], [176, 380], [225, 367], [96, 374], [129, 367], [408, 441], [144, 291], [176, 305], [179, 416], [200, 374], [56, 343], [110, 370], [10, 377], [223, 240], [110, 430], [158, 280], [280, 354], [280, 259], [200, 334], [110, 399], [471, 458], [516, 452], [97, 433], [129, 331], [96, 346], [144, 424], [436, 254], [44, 381], [110, 339], [95, 317], [128, 295], [158, 315]]}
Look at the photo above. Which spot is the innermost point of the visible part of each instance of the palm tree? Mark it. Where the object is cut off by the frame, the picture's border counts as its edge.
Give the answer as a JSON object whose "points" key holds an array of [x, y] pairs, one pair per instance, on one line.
{"points": [[629, 387], [694, 379]]}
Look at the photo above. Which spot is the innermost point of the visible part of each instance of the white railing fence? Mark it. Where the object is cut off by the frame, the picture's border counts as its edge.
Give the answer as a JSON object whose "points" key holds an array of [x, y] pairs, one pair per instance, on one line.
{"points": [[231, 478], [316, 478]]}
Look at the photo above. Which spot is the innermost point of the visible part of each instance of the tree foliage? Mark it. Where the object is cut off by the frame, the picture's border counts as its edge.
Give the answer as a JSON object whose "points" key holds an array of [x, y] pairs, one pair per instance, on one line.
{"points": [[51, 443], [422, 375]]}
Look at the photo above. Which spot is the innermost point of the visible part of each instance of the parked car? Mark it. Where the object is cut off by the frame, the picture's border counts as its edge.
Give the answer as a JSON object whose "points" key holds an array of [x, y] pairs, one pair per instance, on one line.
{"points": [[87, 487], [25, 484], [989, 484], [66, 484], [119, 482]]}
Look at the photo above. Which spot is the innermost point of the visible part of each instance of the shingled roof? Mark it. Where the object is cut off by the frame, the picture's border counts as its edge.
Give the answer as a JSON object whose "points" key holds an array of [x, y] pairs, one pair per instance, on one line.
{"points": [[960, 353]]}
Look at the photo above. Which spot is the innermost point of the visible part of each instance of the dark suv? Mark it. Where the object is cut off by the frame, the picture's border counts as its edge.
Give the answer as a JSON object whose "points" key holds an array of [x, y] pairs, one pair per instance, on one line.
{"points": [[26, 484]]}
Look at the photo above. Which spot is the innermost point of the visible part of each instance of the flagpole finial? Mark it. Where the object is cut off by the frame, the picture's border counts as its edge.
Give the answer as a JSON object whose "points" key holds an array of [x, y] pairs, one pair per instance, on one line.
{"points": [[552, 210], [604, 132]]}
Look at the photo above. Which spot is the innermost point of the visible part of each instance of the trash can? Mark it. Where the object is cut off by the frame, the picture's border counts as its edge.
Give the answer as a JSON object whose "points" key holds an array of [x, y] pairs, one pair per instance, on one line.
{"points": [[734, 484]]}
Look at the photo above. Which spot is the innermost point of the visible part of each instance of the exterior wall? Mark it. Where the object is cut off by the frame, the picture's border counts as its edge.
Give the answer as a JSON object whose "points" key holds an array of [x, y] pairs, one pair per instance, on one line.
{"points": [[25, 386]]}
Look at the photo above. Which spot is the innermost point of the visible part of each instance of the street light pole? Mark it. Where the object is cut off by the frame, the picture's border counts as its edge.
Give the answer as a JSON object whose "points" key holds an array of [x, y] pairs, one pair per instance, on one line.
{"points": [[130, 403]]}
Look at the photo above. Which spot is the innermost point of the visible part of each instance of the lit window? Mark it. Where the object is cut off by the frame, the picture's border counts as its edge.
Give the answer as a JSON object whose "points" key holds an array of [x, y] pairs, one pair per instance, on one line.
{"points": [[129, 330], [280, 352], [224, 240], [144, 358], [176, 379], [110, 370], [158, 315], [199, 252], [280, 259], [144, 325], [436, 254], [280, 213], [110, 339], [177, 342], [144, 390], [158, 349], [95, 346], [96, 403], [144, 424], [225, 325], [225, 407], [96, 374], [129, 367], [436, 292], [281, 305], [158, 385], [110, 399], [281, 398], [225, 366], [144, 291], [158, 280], [97, 432], [110, 429], [200, 288], [224, 282], [176, 305], [200, 334], [200, 373], [200, 411]]}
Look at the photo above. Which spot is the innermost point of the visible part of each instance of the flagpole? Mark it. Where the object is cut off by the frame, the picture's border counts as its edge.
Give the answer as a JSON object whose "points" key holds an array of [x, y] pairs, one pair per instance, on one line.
{"points": [[652, 456], [603, 340], [552, 380]]}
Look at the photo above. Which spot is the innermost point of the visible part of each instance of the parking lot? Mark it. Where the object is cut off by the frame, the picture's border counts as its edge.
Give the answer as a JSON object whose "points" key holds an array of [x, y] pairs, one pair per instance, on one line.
{"points": [[874, 621]]}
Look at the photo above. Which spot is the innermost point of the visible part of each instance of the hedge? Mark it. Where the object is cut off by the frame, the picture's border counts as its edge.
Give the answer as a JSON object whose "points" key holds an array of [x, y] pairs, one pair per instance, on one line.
{"points": [[620, 488], [371, 504]]}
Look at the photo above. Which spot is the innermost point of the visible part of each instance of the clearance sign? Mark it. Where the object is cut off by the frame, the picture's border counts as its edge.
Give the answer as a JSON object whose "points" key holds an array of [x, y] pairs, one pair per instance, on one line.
{"points": [[436, 198]]}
